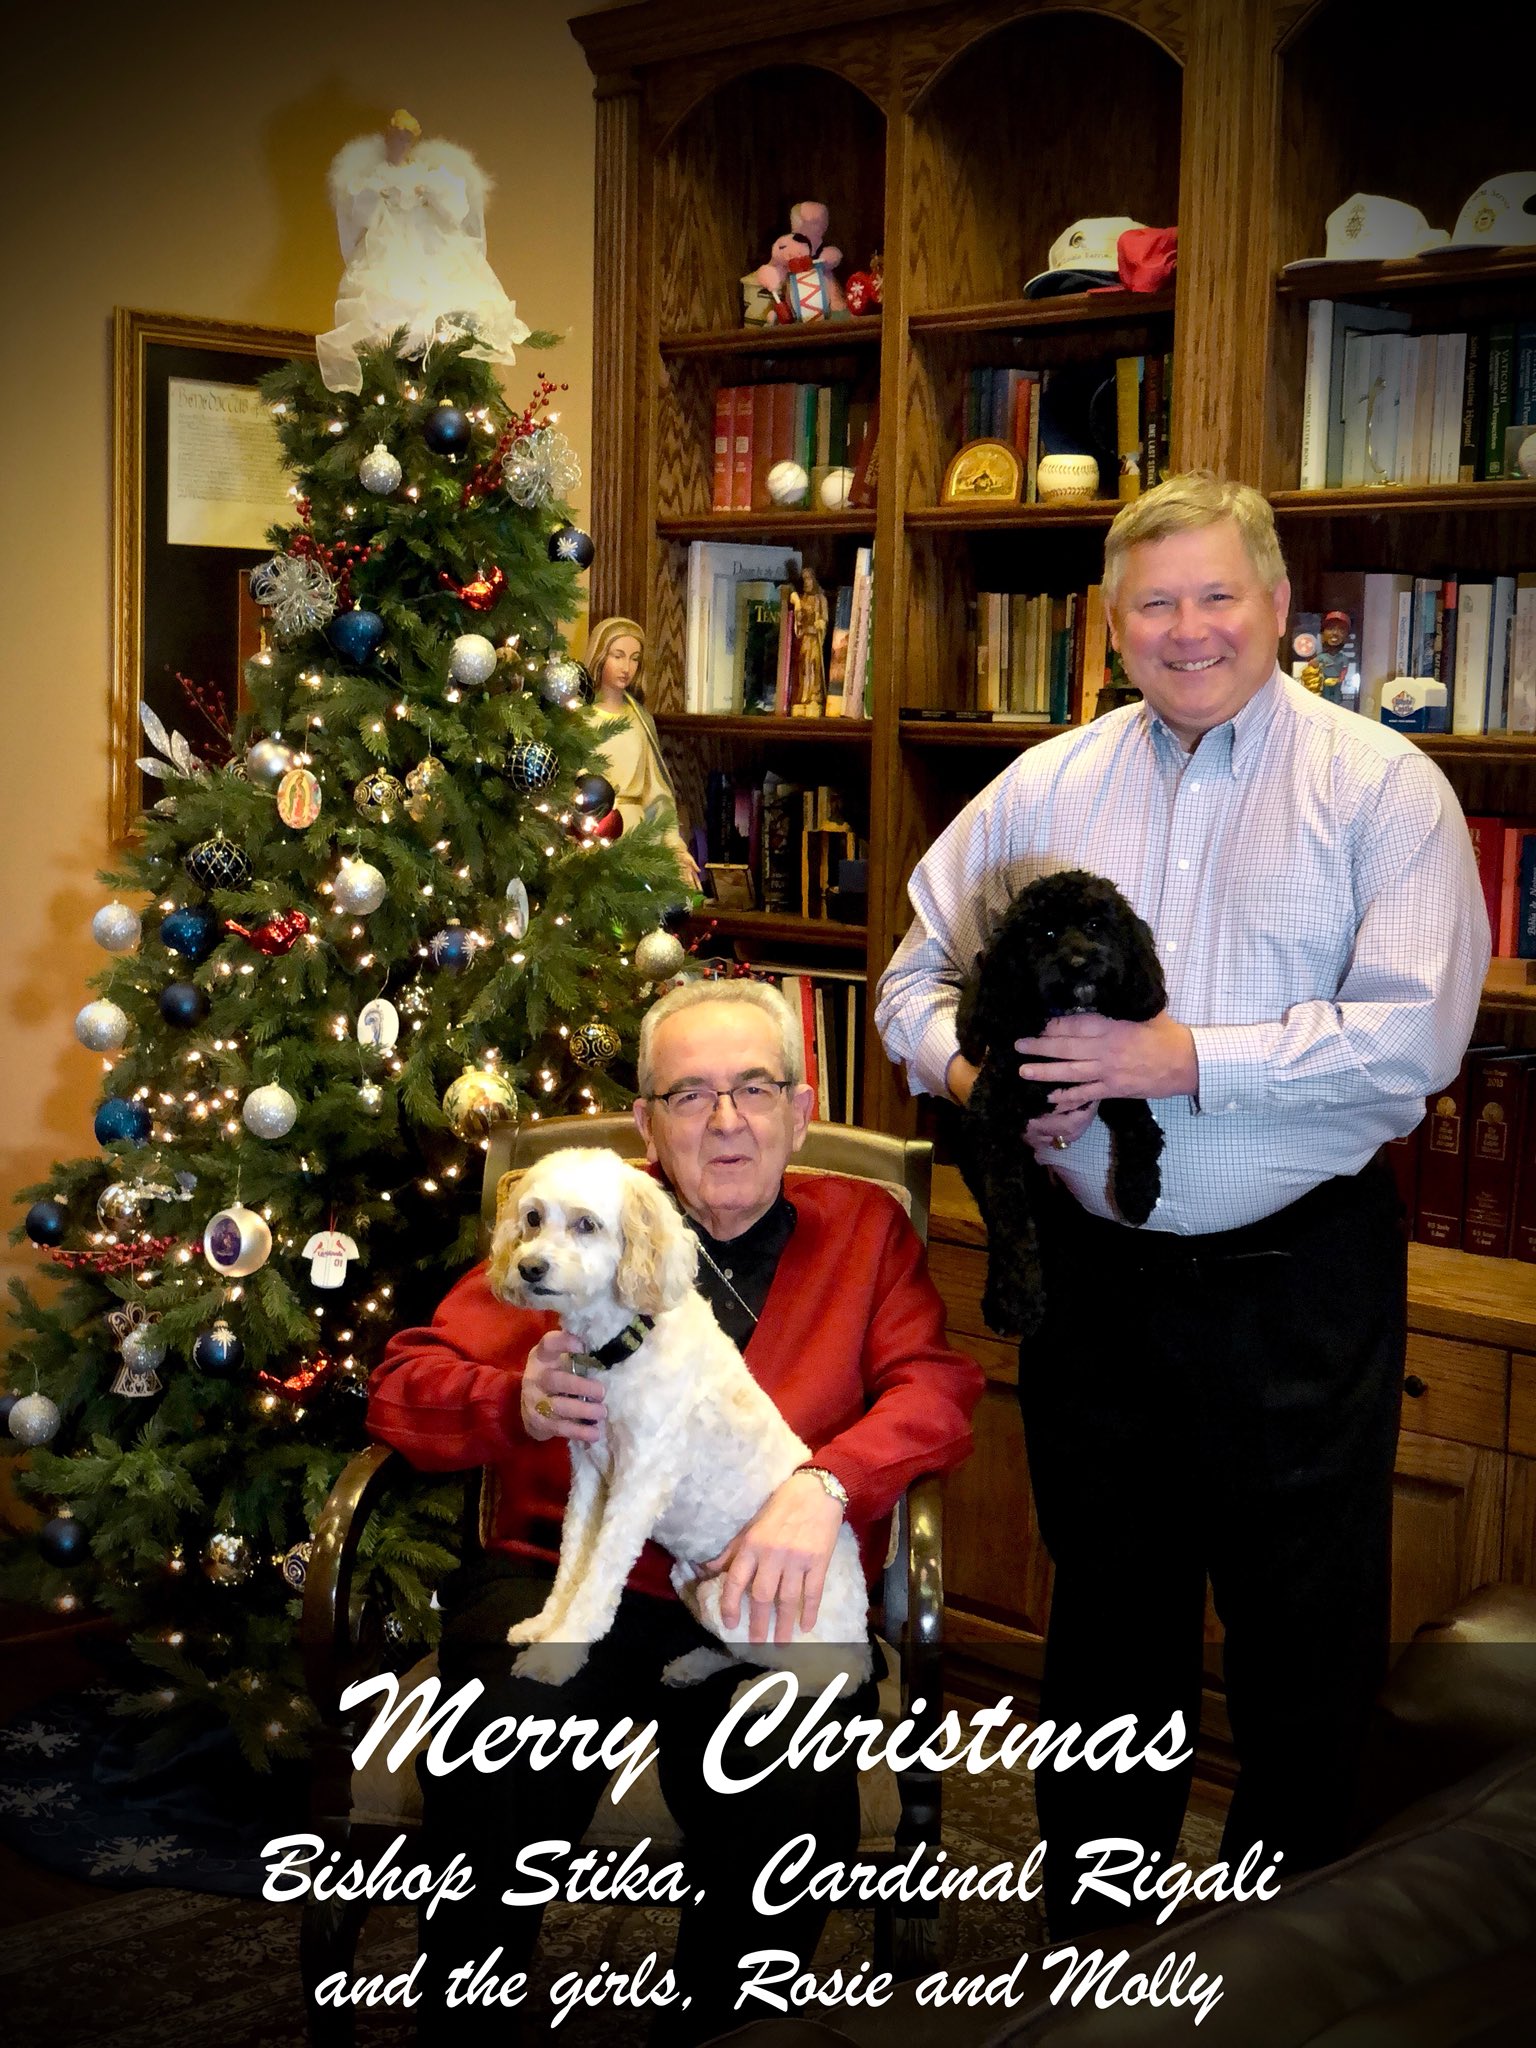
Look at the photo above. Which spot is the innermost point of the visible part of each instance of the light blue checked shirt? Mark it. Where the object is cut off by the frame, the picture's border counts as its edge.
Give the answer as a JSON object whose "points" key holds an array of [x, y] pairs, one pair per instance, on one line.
{"points": [[1309, 880]]}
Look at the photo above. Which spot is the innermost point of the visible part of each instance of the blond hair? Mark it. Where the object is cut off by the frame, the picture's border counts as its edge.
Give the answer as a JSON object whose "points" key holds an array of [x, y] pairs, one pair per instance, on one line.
{"points": [[758, 995], [1184, 504], [599, 641]]}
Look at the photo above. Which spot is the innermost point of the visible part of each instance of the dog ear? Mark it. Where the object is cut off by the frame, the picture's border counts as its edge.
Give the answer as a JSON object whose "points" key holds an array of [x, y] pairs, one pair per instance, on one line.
{"points": [[506, 1189], [987, 1018], [659, 1255]]}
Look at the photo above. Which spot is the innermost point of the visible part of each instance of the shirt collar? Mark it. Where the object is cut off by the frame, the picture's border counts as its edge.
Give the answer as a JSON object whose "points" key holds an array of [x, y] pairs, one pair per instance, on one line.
{"points": [[1239, 737]]}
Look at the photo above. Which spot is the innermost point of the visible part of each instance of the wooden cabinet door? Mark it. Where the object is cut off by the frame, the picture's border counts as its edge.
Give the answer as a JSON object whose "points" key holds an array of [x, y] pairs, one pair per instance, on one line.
{"points": [[1447, 1527]]}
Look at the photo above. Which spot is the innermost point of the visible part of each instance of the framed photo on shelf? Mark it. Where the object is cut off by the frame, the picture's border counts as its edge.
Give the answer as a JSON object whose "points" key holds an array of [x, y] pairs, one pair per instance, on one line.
{"points": [[196, 481], [731, 885]]}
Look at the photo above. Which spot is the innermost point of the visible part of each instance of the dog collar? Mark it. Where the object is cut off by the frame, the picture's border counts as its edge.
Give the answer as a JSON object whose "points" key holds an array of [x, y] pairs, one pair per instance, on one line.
{"points": [[617, 1349]]}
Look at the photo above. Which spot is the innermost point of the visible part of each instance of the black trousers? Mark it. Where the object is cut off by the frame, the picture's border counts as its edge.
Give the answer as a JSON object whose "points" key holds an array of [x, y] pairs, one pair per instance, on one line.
{"points": [[1221, 1407], [728, 1837]]}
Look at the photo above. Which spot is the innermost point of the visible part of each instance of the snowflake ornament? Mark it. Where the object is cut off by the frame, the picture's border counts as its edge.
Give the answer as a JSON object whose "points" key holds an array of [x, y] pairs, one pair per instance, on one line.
{"points": [[540, 467], [296, 591]]}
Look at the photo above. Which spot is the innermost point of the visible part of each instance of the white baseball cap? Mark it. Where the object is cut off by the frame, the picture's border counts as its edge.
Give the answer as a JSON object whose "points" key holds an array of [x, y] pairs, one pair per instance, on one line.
{"points": [[1500, 214], [1370, 229], [1086, 251]]}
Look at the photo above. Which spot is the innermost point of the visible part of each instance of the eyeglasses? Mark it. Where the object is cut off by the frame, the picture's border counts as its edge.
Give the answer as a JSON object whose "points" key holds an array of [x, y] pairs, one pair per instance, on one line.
{"points": [[692, 1104]]}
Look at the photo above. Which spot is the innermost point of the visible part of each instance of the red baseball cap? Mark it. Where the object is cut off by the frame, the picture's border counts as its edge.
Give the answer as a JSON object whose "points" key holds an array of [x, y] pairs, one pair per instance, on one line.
{"points": [[1147, 257]]}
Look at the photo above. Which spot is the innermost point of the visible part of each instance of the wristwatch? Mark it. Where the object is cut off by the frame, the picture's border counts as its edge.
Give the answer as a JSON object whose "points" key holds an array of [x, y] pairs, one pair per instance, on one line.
{"points": [[831, 1485]]}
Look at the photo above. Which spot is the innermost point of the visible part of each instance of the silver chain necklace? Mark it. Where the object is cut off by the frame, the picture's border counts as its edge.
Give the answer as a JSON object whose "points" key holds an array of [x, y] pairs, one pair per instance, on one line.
{"points": [[723, 1278]]}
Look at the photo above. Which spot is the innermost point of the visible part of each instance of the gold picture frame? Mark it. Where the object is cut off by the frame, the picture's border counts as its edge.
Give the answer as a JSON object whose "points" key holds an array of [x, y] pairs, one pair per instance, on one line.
{"points": [[984, 473], [175, 607]]}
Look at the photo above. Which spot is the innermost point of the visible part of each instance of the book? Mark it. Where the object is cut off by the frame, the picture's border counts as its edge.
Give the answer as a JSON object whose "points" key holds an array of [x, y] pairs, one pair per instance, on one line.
{"points": [[1426, 609], [1474, 406], [1522, 1236], [1500, 634], [720, 481], [1497, 386], [1525, 899], [1522, 656], [1495, 1091], [837, 656], [715, 568], [1469, 690], [1522, 407], [1487, 836], [1095, 651], [1350, 319], [1128, 427], [1445, 443], [1442, 1167], [741, 450], [1423, 410], [1407, 408], [780, 844], [1384, 601], [762, 445], [758, 631], [866, 475], [1154, 429], [1314, 396]]}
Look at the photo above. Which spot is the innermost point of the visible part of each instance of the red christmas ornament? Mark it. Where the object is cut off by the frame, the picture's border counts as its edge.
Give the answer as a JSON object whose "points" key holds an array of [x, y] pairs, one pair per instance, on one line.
{"points": [[277, 934], [865, 289], [297, 1384], [589, 828], [482, 593]]}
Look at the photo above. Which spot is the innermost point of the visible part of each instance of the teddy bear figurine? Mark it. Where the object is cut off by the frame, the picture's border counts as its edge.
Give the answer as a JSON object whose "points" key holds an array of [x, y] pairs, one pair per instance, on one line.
{"points": [[799, 273]]}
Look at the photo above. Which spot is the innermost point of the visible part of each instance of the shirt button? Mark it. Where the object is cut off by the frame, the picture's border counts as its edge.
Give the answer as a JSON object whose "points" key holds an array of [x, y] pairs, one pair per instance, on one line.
{"points": [[1183, 864], [1231, 1105], [1171, 946]]}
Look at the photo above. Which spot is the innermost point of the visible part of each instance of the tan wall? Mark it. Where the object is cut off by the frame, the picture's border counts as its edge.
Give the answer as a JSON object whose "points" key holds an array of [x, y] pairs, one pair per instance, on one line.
{"points": [[172, 157]]}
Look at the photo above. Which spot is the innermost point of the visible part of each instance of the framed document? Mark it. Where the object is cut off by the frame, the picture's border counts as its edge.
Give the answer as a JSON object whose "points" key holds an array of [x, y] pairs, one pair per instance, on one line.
{"points": [[196, 481]]}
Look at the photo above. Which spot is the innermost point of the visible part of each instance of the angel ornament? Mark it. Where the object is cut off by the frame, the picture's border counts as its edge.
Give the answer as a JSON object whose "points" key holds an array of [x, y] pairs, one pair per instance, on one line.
{"points": [[411, 218]]}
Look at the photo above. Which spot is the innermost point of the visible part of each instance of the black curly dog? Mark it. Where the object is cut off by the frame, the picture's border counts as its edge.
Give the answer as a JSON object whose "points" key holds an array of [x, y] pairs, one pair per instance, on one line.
{"points": [[1068, 942]]}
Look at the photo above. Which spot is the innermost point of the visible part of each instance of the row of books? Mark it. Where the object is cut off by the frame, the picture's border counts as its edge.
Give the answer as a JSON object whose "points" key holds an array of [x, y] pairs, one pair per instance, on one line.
{"points": [[740, 646], [1468, 1173], [1077, 409], [819, 426], [830, 1005], [1383, 406], [1506, 867], [1473, 636], [771, 844], [1039, 657]]}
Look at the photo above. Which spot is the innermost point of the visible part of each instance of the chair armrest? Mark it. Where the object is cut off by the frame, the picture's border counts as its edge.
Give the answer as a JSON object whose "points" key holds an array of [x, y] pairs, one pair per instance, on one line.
{"points": [[923, 1637], [330, 1622]]}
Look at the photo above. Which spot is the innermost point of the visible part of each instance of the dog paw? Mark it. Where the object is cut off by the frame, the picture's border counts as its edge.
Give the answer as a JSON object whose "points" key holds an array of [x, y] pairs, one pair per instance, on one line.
{"points": [[529, 1631], [551, 1663], [696, 1665]]}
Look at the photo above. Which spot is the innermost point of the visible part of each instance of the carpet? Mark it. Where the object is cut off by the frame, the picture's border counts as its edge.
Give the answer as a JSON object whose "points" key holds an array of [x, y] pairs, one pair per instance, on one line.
{"points": [[209, 1971]]}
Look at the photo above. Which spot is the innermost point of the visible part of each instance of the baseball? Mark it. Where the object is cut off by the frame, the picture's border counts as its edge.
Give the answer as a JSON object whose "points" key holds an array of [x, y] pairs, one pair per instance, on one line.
{"points": [[788, 483], [836, 490]]}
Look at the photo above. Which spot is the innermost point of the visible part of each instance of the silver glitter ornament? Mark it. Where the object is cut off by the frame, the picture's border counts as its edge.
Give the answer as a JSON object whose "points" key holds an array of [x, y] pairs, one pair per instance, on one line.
{"points": [[379, 472], [471, 660], [116, 928], [144, 1348], [296, 591], [539, 467], [370, 1098], [269, 1112], [227, 1558], [565, 684], [359, 887], [101, 1026], [267, 762], [34, 1419], [658, 955]]}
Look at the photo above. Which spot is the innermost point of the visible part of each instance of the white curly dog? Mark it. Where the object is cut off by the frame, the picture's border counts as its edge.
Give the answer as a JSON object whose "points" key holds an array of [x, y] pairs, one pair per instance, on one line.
{"points": [[692, 1446]]}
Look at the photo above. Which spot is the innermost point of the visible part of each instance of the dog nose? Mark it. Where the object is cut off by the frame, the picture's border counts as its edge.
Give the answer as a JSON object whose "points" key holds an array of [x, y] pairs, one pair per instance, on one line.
{"points": [[533, 1270]]}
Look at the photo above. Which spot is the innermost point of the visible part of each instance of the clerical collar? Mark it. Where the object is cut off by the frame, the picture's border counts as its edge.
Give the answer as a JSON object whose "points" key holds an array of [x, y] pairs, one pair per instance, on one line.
{"points": [[736, 1273]]}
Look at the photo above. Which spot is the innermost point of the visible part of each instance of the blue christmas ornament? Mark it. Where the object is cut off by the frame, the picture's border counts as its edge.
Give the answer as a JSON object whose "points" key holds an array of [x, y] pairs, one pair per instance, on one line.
{"points": [[119, 1122], [446, 431], [356, 636], [46, 1222], [450, 948], [61, 1541], [7, 1403], [570, 544], [218, 1352], [183, 1004], [193, 932]]}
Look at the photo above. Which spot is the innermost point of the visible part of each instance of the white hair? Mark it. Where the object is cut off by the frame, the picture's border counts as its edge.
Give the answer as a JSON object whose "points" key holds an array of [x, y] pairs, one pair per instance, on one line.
{"points": [[757, 995]]}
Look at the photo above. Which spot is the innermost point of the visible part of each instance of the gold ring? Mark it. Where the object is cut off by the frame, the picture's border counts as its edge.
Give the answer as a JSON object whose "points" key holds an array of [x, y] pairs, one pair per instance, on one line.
{"points": [[1060, 1144], [544, 1406]]}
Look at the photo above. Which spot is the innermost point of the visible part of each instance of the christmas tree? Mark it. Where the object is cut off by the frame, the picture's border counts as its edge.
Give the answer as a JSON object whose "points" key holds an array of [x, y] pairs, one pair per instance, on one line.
{"points": [[392, 918]]}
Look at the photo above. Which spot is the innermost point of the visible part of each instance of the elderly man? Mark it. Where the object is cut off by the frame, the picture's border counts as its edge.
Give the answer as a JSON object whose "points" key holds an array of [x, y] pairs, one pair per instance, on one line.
{"points": [[1217, 1394], [822, 1283]]}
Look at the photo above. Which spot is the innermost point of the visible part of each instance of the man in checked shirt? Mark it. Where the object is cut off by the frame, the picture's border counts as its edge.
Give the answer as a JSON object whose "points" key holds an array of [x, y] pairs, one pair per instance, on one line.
{"points": [[1216, 1394]]}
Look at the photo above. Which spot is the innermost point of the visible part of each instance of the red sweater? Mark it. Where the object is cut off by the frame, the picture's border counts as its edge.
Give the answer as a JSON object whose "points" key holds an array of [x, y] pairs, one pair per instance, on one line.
{"points": [[850, 1346]]}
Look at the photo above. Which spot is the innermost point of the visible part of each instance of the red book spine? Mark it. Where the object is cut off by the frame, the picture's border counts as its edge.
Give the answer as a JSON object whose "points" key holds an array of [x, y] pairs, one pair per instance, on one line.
{"points": [[808, 1027], [762, 446], [1443, 1167], [1493, 1128], [781, 446], [1509, 895], [1522, 1237], [741, 451], [1488, 846], [725, 413]]}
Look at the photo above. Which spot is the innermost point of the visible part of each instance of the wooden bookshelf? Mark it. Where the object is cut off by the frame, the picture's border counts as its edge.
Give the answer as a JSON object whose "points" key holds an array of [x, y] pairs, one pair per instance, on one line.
{"points": [[818, 337], [1392, 501], [1459, 272], [772, 928], [1026, 316], [765, 731]]}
